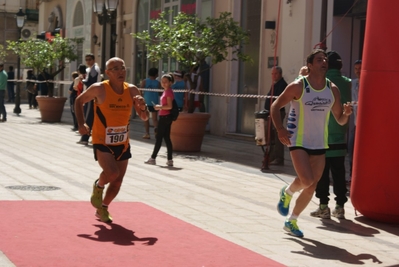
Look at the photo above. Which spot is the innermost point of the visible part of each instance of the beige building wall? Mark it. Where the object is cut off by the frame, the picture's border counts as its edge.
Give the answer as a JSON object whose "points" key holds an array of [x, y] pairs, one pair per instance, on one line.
{"points": [[126, 24], [270, 45], [45, 9], [224, 80], [300, 31]]}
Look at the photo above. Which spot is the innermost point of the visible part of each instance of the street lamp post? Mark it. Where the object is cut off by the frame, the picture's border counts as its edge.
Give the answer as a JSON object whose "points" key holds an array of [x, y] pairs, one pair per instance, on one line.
{"points": [[105, 10], [20, 17]]}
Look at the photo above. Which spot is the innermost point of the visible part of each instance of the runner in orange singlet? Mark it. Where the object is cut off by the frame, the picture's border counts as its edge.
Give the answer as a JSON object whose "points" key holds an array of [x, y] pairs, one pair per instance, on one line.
{"points": [[113, 101]]}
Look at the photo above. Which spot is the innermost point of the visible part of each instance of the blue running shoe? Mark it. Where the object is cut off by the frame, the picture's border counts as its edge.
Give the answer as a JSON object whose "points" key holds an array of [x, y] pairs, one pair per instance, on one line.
{"points": [[292, 228], [283, 205]]}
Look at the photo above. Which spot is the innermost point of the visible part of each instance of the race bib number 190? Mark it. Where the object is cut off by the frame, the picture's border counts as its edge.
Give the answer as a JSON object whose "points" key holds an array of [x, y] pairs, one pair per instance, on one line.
{"points": [[115, 135]]}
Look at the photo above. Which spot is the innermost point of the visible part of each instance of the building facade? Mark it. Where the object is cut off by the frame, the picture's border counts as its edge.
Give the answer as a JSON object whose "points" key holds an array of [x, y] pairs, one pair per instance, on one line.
{"points": [[8, 24], [283, 31]]}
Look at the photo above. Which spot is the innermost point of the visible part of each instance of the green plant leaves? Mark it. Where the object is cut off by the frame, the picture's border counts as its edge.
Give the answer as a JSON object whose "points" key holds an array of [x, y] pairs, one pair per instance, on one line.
{"points": [[3, 53], [191, 41], [39, 54]]}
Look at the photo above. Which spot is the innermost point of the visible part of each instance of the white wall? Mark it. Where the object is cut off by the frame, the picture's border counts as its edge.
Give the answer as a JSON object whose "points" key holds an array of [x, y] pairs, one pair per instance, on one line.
{"points": [[300, 31]]}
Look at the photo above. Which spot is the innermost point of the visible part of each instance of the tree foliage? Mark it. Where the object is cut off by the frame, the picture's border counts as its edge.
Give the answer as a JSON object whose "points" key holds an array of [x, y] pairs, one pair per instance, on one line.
{"points": [[39, 54], [191, 41], [3, 53]]}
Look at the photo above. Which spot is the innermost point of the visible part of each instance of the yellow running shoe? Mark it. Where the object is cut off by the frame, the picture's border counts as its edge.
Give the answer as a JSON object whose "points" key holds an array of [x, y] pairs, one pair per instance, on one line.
{"points": [[292, 228], [97, 196], [104, 215], [283, 205]]}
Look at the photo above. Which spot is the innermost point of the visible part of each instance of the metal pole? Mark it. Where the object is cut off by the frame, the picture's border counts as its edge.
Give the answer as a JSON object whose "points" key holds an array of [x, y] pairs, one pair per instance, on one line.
{"points": [[104, 39], [17, 109]]}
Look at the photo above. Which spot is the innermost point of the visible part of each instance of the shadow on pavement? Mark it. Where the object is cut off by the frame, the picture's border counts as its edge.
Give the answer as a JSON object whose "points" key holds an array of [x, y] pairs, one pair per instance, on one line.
{"points": [[347, 227], [387, 227], [316, 249]]}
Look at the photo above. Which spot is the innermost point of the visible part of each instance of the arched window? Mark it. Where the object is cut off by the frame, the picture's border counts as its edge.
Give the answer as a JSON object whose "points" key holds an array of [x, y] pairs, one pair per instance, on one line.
{"points": [[78, 15], [78, 22]]}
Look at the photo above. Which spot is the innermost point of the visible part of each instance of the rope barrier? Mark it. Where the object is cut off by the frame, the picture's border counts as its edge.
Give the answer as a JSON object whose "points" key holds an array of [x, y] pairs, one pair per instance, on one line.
{"points": [[36, 81], [192, 91]]}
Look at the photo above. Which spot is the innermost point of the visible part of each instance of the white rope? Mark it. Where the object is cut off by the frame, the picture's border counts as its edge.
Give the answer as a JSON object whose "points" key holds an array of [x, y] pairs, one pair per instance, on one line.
{"points": [[192, 91], [36, 81]]}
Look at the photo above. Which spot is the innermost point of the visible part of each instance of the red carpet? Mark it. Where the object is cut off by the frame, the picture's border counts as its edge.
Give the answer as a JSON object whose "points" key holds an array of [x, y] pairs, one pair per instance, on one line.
{"points": [[61, 233]]}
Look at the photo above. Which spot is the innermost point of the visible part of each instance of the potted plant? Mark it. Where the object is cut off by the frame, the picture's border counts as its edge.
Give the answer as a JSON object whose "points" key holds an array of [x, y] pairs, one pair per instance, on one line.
{"points": [[43, 57], [191, 41]]}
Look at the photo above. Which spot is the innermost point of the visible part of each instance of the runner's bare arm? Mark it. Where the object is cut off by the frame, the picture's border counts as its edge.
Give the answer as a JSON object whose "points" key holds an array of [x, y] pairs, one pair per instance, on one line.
{"points": [[341, 113], [139, 103], [292, 91], [93, 92]]}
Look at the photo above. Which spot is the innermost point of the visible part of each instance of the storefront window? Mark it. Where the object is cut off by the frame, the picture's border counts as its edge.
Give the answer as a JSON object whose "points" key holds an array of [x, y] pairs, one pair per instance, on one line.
{"points": [[188, 6], [150, 9], [155, 8]]}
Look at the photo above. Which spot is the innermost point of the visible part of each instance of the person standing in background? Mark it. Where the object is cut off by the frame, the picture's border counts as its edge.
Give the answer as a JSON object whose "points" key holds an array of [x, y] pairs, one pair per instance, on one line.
{"points": [[11, 84], [78, 84], [196, 83], [352, 123], [279, 85], [165, 121], [337, 149], [73, 94], [3, 85], [179, 85], [151, 98], [31, 87], [93, 75]]}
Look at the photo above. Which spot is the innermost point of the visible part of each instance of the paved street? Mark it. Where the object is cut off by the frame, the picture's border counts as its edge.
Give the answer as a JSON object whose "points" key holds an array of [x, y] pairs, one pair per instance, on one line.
{"points": [[219, 189]]}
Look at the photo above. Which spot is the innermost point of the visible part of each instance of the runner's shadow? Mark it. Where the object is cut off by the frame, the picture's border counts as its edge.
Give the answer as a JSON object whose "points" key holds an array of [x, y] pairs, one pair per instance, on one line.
{"points": [[316, 249], [118, 235], [347, 227], [387, 227]]}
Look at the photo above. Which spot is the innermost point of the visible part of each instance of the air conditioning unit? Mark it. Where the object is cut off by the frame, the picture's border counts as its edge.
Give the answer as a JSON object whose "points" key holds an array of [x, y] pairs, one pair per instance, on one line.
{"points": [[29, 30]]}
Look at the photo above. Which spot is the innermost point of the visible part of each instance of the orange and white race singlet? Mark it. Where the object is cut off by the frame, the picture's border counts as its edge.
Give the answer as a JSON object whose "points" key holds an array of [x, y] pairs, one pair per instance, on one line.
{"points": [[111, 118]]}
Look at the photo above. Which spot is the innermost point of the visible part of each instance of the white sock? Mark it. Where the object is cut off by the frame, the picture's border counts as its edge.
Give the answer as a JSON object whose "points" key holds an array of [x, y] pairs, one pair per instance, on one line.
{"points": [[99, 186], [288, 191]]}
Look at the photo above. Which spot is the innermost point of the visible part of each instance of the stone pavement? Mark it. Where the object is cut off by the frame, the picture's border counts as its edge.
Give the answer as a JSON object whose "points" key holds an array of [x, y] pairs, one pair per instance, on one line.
{"points": [[219, 189]]}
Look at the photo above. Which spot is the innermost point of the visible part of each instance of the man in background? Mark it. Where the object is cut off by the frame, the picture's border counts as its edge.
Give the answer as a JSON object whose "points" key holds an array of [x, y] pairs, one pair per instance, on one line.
{"points": [[3, 85], [93, 75], [279, 84], [352, 123], [337, 149], [151, 99], [179, 84], [10, 84]]}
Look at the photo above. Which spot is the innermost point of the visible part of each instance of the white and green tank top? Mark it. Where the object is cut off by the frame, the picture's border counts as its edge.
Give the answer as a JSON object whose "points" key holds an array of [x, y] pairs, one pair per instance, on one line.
{"points": [[308, 117]]}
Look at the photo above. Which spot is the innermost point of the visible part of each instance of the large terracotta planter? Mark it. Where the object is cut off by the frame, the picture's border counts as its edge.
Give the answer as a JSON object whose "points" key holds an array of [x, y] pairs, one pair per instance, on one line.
{"points": [[51, 108], [188, 131]]}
